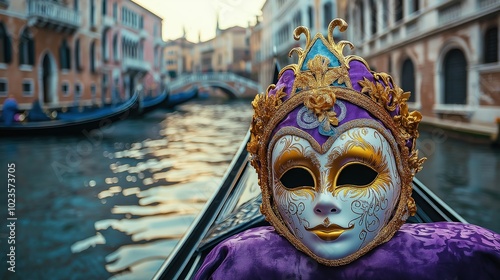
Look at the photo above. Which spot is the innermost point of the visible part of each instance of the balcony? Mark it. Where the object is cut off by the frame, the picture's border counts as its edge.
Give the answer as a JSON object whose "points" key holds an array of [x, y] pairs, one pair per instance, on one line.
{"points": [[48, 14], [130, 64], [108, 21]]}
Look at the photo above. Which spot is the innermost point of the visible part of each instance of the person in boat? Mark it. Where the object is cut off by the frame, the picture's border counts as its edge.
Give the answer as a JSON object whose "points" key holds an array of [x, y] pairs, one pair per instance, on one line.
{"points": [[334, 146], [36, 112], [9, 110]]}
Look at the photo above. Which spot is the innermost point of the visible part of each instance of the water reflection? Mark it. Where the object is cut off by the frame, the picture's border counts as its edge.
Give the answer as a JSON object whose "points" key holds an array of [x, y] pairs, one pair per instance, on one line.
{"points": [[175, 176], [464, 175]]}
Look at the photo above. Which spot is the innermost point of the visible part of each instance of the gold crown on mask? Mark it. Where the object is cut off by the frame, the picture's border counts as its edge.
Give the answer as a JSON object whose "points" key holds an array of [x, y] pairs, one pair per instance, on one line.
{"points": [[317, 83], [320, 79]]}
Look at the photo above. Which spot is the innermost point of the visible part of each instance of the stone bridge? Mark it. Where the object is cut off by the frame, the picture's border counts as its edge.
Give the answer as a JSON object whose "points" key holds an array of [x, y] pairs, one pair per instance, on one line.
{"points": [[233, 85]]}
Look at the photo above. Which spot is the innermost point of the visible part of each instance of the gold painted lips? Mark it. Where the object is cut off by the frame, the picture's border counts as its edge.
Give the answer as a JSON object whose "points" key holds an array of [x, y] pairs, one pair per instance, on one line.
{"points": [[328, 233]]}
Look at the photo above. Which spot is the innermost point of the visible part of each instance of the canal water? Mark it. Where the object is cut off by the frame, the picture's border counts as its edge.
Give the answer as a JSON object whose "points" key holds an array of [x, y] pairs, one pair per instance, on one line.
{"points": [[112, 203]]}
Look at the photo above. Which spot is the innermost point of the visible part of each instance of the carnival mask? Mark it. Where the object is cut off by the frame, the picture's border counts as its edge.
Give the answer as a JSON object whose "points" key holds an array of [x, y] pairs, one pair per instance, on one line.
{"points": [[333, 144]]}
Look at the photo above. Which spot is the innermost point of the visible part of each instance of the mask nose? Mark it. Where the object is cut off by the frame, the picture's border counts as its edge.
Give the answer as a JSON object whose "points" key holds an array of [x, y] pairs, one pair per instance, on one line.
{"points": [[325, 204]]}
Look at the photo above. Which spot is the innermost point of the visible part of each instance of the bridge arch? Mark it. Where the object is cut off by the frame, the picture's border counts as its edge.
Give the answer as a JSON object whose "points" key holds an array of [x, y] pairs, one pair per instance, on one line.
{"points": [[233, 85]]}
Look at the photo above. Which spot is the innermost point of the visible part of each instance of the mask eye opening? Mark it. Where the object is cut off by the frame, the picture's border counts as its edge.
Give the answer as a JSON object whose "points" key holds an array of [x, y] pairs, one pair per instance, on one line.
{"points": [[297, 177], [356, 174]]}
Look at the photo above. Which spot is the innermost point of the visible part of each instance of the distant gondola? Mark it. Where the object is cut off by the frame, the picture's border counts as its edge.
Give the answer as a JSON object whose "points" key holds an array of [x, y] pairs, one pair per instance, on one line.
{"points": [[178, 98], [149, 104], [71, 121]]}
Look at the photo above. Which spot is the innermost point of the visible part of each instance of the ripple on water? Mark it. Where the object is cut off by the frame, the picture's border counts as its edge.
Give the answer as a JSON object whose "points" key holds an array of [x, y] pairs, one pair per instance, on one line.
{"points": [[169, 181]]}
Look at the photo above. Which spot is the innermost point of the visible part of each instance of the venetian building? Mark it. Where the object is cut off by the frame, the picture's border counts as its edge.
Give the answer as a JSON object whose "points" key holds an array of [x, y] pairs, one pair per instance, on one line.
{"points": [[132, 50], [279, 19], [72, 52], [178, 56], [445, 52], [255, 38], [228, 51], [49, 52]]}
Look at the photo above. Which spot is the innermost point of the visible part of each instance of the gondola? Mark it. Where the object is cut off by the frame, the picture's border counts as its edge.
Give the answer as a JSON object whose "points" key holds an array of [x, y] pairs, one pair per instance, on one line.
{"points": [[235, 208], [71, 121], [179, 98], [149, 104]]}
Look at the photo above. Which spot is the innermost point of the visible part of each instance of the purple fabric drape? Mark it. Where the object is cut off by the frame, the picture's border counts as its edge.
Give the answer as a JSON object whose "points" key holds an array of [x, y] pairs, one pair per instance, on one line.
{"points": [[442, 250]]}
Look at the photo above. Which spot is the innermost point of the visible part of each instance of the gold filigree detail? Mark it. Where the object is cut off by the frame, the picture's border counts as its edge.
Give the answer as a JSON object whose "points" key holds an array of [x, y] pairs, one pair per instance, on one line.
{"points": [[391, 97], [296, 35], [317, 80], [412, 206], [336, 48], [342, 25], [265, 106], [384, 91]]}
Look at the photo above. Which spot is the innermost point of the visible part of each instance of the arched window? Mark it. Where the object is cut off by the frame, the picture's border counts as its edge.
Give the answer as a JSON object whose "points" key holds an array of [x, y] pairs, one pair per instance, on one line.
{"points": [[327, 14], [92, 57], [124, 47], [385, 13], [455, 77], [92, 13], [5, 45], [408, 78], [64, 56], [115, 47], [310, 15], [491, 45], [105, 47], [26, 48], [374, 20], [104, 7], [398, 10], [78, 61], [362, 20]]}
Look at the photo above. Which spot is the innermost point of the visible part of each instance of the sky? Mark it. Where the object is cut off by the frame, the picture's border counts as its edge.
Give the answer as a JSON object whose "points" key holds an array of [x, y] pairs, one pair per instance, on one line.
{"points": [[199, 16]]}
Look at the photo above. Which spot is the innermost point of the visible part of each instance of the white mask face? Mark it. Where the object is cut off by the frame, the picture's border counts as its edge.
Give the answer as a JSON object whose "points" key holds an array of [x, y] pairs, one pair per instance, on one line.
{"points": [[337, 202]]}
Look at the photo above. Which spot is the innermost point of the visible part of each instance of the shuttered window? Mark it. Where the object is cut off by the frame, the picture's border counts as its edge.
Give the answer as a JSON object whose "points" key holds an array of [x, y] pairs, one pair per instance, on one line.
{"points": [[64, 56], [26, 48], [327, 14], [5, 45], [78, 62], [92, 57], [455, 77], [408, 78], [373, 14], [491, 45], [398, 10]]}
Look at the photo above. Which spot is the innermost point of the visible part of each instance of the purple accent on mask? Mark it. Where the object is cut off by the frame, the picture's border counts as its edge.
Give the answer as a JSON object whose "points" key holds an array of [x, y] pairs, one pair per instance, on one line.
{"points": [[353, 112], [286, 80], [409, 143], [357, 72]]}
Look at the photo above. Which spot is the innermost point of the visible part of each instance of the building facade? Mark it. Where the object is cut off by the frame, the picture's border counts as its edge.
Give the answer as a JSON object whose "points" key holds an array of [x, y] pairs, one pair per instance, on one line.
{"points": [[61, 53], [42, 53], [279, 19], [178, 56], [132, 50], [445, 52], [228, 51]]}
